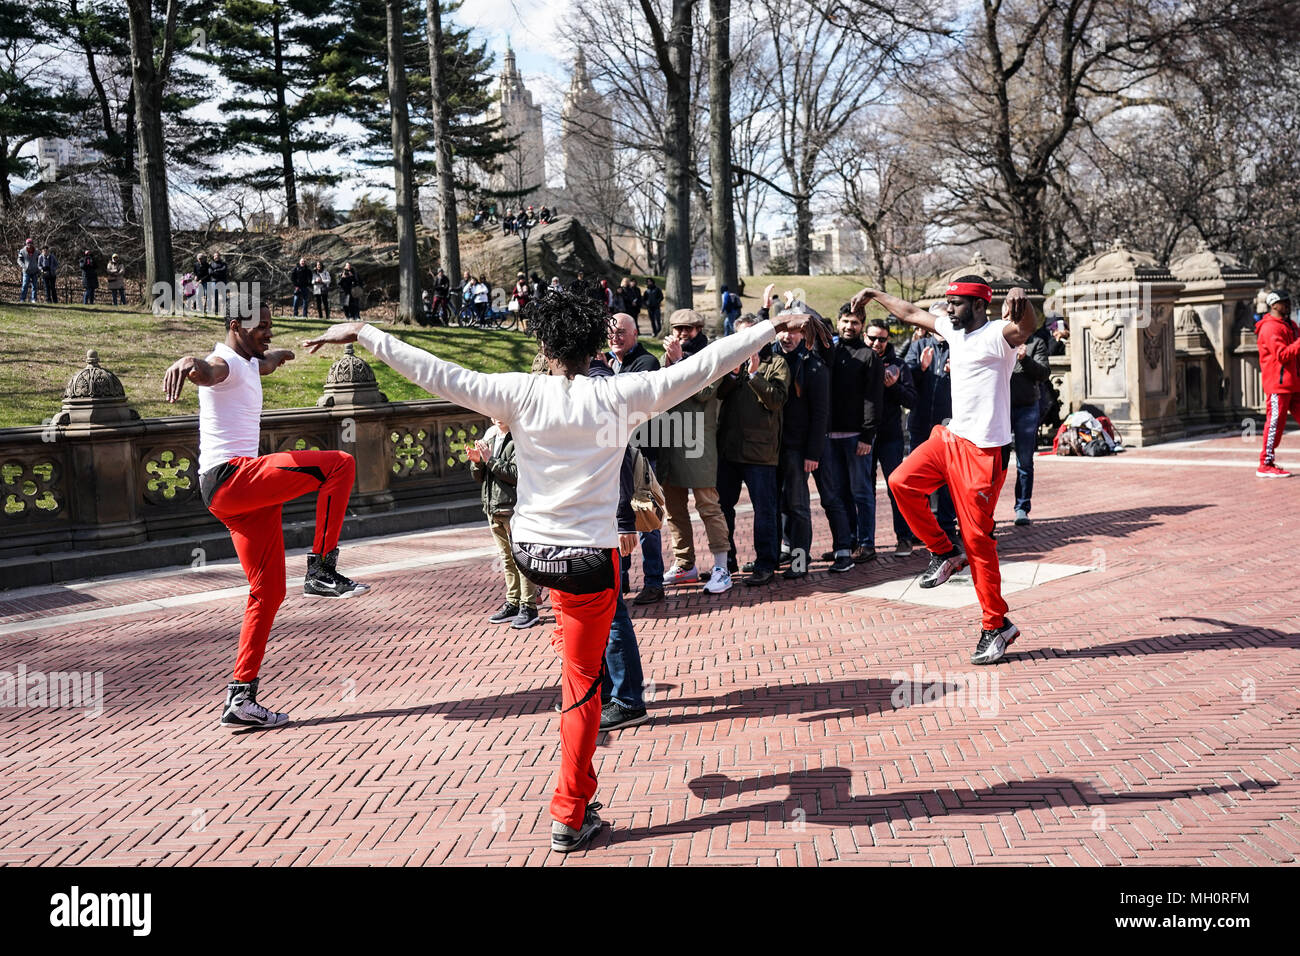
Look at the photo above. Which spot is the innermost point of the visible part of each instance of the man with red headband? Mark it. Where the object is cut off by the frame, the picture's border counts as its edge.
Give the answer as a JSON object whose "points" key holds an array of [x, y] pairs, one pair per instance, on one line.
{"points": [[971, 452]]}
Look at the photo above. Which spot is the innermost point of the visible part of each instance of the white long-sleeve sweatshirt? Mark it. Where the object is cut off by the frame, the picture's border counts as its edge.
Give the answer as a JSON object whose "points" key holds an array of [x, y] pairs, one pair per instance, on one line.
{"points": [[569, 433]]}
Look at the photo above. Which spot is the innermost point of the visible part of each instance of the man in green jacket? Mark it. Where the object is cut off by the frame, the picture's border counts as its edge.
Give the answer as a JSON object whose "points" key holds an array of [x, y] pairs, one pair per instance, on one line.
{"points": [[492, 463], [749, 449], [688, 463]]}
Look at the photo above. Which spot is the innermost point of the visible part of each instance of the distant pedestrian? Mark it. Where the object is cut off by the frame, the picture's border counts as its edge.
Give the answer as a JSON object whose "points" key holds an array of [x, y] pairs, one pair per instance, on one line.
{"points": [[349, 294], [300, 277], [89, 277], [116, 273], [1279, 363], [492, 464], [653, 300], [320, 288], [29, 268], [731, 309], [203, 275], [49, 268]]}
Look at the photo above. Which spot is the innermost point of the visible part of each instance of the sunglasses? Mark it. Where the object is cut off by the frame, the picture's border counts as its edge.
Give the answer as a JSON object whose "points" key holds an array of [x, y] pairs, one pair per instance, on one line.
{"points": [[878, 338]]}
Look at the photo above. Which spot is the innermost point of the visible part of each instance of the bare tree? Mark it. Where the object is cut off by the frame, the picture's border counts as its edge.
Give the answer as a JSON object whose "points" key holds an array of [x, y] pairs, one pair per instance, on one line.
{"points": [[822, 76], [723, 219], [448, 237]]}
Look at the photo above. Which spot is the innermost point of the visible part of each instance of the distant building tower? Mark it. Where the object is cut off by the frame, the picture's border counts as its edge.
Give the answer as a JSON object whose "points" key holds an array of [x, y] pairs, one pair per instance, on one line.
{"points": [[524, 167], [588, 138]]}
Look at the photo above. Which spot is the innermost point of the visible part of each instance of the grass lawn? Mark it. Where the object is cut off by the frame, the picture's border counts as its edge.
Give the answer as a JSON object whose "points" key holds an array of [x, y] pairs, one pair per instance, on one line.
{"points": [[41, 347]]}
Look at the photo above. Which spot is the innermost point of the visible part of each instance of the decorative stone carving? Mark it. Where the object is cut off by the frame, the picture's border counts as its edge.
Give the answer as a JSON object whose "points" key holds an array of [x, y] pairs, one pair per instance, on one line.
{"points": [[1106, 345], [302, 443], [1153, 346], [456, 436], [1187, 322], [31, 490], [350, 382], [171, 476], [413, 452], [94, 395]]}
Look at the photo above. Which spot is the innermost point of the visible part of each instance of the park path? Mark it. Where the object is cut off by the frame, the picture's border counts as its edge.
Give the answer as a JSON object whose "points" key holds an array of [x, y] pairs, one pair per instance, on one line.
{"points": [[1148, 715]]}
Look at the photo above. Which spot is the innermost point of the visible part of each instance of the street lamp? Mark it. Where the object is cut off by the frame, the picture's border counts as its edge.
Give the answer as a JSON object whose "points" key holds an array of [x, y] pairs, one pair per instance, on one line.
{"points": [[523, 237]]}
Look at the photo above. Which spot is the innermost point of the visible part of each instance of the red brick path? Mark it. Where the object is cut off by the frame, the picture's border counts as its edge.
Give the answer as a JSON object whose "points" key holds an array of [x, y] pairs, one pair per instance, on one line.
{"points": [[1148, 714]]}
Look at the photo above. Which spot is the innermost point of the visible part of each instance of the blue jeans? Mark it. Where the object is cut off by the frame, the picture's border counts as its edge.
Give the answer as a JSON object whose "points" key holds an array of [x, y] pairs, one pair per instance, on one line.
{"points": [[838, 478], [29, 282], [761, 482], [1024, 425], [889, 454], [118, 294], [300, 298], [88, 297], [864, 498], [652, 561], [729, 324], [622, 680]]}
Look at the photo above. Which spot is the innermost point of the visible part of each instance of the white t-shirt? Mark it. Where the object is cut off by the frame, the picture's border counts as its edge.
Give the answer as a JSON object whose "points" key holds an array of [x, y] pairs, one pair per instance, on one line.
{"points": [[230, 413], [570, 434], [982, 362]]}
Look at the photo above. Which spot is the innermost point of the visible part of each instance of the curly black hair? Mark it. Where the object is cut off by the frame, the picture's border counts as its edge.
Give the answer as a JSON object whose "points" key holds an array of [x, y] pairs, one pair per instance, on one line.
{"points": [[571, 328]]}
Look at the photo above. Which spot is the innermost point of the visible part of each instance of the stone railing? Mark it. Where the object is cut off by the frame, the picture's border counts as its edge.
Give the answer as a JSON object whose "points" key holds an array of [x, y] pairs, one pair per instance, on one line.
{"points": [[106, 491]]}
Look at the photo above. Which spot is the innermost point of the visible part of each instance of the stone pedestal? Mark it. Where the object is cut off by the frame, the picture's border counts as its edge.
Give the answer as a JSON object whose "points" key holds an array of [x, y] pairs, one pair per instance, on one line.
{"points": [[1120, 307], [1216, 303], [357, 405]]}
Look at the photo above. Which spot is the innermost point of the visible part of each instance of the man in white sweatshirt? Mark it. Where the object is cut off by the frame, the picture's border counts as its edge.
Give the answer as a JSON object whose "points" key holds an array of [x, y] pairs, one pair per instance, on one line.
{"points": [[570, 431]]}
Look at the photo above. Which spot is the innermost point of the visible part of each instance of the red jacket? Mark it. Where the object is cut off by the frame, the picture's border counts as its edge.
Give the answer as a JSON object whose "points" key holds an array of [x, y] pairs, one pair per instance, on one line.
{"points": [[1279, 349]]}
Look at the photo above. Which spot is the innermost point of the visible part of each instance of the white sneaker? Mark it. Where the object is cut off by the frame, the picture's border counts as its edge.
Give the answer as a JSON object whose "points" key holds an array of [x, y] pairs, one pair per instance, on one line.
{"points": [[681, 575], [719, 582]]}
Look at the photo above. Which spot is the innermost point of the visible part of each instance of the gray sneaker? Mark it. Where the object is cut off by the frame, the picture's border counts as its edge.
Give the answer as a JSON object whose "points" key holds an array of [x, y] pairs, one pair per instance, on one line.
{"points": [[242, 709], [565, 839], [993, 644], [942, 567], [1022, 517]]}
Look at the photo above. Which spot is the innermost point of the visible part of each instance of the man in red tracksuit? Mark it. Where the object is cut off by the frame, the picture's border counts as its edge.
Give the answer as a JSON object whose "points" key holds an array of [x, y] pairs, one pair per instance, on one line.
{"points": [[245, 491], [1279, 366], [971, 452]]}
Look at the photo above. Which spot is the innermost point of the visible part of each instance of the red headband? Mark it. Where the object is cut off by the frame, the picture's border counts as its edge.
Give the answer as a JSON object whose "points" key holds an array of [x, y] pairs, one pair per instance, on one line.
{"points": [[977, 289]]}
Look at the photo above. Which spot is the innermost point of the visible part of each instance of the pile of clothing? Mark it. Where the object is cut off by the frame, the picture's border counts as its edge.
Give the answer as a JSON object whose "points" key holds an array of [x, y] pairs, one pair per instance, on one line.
{"points": [[1083, 433]]}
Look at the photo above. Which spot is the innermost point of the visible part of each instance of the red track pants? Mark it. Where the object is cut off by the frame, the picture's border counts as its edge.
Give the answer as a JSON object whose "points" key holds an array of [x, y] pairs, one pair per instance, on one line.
{"points": [[248, 503], [974, 475], [1276, 407], [582, 623]]}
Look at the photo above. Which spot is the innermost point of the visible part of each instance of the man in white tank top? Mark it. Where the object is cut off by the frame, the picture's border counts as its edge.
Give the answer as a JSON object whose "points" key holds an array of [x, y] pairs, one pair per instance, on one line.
{"points": [[245, 492], [971, 452]]}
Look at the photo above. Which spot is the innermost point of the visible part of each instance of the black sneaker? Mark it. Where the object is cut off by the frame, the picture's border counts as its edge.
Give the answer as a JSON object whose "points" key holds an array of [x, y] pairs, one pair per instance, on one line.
{"points": [[842, 563], [790, 574], [993, 644], [526, 617], [243, 710], [614, 716], [864, 554], [565, 839], [784, 558], [942, 567], [759, 578], [507, 613], [828, 555], [324, 580], [747, 567], [732, 566]]}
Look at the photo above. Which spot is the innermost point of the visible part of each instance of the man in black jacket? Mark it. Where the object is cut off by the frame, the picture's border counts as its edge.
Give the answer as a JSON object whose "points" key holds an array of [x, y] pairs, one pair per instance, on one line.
{"points": [[629, 355], [899, 393], [1032, 368], [300, 277], [857, 399], [803, 440], [653, 300]]}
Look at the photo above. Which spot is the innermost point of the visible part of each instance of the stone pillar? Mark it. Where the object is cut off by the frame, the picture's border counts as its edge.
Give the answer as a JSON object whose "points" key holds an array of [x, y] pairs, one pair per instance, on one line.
{"points": [[357, 413], [1216, 301], [103, 487], [1120, 307]]}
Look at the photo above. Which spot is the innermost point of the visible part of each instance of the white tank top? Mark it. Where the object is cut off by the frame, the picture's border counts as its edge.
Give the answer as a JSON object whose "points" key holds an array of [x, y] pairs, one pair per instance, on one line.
{"points": [[230, 414]]}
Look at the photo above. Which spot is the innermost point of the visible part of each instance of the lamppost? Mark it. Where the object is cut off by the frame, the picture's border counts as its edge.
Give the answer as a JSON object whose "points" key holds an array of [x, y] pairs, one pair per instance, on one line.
{"points": [[523, 231]]}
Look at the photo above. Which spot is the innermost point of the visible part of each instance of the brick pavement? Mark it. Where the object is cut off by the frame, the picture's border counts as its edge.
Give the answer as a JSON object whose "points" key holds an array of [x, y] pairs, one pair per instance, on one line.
{"points": [[1147, 716]]}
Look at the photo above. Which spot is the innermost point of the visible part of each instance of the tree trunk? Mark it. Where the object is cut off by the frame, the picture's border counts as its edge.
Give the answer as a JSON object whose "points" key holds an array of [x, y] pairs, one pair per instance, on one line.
{"points": [[802, 235], [407, 267], [677, 212], [286, 137], [448, 238], [723, 220], [147, 79]]}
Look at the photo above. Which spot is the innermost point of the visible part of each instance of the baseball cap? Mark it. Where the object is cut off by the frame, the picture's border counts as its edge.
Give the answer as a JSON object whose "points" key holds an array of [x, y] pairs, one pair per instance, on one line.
{"points": [[686, 317], [1277, 295]]}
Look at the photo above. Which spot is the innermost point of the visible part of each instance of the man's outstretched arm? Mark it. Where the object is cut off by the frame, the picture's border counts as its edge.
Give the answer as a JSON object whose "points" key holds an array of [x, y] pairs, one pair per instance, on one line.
{"points": [[212, 370], [495, 395], [899, 308]]}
